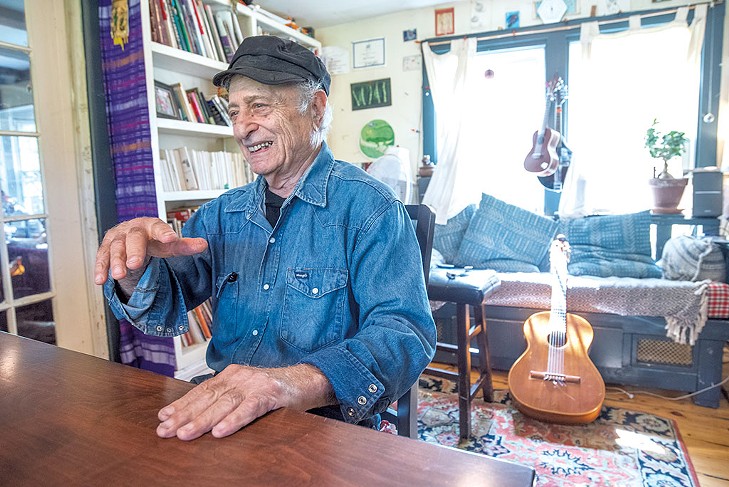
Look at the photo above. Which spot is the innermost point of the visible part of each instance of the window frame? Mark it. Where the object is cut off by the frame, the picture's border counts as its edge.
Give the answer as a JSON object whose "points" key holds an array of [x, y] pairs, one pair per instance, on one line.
{"points": [[556, 38]]}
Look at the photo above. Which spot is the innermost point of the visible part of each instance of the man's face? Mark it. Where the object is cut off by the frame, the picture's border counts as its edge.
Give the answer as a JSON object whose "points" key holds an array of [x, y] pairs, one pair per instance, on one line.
{"points": [[275, 138]]}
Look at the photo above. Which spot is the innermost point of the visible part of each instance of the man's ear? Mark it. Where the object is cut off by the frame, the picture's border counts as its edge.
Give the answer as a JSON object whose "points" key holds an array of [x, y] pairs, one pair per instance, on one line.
{"points": [[318, 105]]}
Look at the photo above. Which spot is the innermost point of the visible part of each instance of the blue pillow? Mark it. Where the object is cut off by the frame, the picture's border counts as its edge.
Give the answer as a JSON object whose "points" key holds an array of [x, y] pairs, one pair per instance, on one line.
{"points": [[447, 238], [499, 231], [611, 245]]}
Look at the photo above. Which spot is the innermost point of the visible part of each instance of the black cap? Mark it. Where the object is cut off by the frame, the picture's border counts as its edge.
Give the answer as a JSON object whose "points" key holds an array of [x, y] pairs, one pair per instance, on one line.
{"points": [[273, 61]]}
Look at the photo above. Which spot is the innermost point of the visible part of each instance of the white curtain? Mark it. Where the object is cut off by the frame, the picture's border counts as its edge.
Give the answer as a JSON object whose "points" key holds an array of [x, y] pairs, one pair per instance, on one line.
{"points": [[722, 155], [619, 83], [450, 189]]}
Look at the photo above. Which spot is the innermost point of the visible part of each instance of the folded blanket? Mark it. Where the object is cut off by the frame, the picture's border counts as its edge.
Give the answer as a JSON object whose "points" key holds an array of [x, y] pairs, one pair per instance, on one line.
{"points": [[683, 304]]}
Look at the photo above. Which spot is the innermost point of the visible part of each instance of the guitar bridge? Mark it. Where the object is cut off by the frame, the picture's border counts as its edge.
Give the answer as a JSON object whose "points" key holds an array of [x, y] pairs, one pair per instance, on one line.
{"points": [[534, 374]]}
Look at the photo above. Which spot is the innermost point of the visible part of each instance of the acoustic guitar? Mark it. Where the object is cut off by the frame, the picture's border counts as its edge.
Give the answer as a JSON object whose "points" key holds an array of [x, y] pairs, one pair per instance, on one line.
{"points": [[554, 380], [542, 159]]}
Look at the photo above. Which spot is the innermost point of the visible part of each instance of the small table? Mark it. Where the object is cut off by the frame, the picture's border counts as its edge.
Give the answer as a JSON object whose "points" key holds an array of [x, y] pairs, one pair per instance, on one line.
{"points": [[664, 227], [71, 419]]}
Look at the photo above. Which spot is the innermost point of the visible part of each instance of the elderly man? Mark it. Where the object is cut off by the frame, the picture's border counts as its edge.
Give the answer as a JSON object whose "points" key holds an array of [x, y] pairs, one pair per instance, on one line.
{"points": [[314, 270]]}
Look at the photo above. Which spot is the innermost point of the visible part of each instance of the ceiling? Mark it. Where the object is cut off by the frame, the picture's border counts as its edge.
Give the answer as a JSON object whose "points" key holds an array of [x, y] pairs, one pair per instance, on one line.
{"points": [[334, 12]]}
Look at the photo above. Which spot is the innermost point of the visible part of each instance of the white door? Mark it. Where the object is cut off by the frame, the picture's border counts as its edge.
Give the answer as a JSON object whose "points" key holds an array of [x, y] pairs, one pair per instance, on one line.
{"points": [[48, 228]]}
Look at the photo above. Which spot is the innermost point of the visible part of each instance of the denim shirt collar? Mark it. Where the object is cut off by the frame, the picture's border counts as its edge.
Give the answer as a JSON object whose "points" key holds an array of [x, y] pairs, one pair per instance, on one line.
{"points": [[311, 188]]}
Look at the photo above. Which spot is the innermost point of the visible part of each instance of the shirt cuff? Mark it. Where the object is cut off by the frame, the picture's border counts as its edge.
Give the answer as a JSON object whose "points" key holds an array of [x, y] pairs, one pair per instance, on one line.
{"points": [[356, 388]]}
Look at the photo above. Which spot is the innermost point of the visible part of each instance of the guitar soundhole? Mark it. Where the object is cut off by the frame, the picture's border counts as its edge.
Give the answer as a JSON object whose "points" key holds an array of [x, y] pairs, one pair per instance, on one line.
{"points": [[558, 340]]}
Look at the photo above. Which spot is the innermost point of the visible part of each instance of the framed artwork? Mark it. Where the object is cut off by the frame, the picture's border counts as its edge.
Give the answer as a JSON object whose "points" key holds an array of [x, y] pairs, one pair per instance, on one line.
{"points": [[371, 94], [165, 101], [444, 21]]}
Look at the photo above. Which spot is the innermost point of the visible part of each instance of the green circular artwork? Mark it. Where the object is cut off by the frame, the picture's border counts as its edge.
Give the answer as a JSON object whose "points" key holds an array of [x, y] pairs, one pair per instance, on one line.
{"points": [[376, 136]]}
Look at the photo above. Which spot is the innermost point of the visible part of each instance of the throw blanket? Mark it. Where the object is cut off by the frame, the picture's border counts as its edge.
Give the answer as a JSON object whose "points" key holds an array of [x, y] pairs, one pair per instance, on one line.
{"points": [[682, 303]]}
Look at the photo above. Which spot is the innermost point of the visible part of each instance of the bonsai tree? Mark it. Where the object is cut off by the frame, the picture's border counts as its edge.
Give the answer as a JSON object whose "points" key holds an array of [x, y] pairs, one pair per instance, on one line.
{"points": [[665, 147]]}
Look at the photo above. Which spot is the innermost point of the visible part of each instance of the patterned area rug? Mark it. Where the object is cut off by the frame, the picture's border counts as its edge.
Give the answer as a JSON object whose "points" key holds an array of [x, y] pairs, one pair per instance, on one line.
{"points": [[620, 448]]}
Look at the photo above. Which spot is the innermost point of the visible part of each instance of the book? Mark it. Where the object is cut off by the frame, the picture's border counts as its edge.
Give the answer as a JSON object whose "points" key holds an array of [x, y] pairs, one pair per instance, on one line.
{"points": [[214, 33], [225, 29], [184, 103], [187, 171], [203, 29], [195, 104]]}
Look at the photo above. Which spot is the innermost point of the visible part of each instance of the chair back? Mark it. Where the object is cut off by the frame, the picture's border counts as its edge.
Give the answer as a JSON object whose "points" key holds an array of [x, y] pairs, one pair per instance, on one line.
{"points": [[406, 415]]}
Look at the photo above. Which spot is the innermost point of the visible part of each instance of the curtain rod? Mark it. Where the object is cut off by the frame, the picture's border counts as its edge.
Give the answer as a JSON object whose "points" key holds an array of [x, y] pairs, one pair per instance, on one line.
{"points": [[560, 28]]}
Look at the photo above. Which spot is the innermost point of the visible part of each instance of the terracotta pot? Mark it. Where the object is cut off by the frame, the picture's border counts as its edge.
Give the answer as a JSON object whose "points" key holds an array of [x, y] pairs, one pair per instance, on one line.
{"points": [[667, 194]]}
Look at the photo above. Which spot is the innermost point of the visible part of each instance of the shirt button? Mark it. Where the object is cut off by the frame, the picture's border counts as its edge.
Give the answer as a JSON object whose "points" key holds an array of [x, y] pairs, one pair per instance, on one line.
{"points": [[169, 330], [315, 290], [160, 328], [180, 327], [372, 388], [233, 277], [350, 411], [255, 332], [266, 287], [361, 400], [271, 240]]}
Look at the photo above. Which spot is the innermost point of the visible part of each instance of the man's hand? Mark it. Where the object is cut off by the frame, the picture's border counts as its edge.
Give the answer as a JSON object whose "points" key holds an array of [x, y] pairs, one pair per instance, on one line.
{"points": [[240, 394], [128, 246]]}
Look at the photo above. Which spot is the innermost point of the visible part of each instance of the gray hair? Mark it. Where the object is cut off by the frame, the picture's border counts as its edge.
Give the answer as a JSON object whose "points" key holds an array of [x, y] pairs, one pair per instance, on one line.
{"points": [[307, 90]]}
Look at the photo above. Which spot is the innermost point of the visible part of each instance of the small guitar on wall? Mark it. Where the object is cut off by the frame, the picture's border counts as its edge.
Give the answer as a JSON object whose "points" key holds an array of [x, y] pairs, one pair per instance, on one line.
{"points": [[542, 159], [554, 379], [554, 181]]}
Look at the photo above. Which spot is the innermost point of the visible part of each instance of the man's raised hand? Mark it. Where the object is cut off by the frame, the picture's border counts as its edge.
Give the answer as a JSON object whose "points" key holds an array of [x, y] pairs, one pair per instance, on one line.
{"points": [[128, 246]]}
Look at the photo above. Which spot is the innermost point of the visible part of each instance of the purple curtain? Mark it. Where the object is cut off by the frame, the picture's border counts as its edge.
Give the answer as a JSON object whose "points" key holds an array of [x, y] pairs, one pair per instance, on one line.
{"points": [[131, 151]]}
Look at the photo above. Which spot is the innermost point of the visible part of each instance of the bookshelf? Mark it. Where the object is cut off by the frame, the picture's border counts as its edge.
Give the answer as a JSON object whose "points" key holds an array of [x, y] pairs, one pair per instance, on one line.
{"points": [[171, 65]]}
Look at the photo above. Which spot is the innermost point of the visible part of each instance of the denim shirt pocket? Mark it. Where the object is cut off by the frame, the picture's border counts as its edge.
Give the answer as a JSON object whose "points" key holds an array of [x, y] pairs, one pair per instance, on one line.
{"points": [[313, 308], [226, 293]]}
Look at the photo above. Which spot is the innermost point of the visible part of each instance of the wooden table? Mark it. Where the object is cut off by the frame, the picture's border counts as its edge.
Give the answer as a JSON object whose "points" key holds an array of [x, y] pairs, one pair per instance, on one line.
{"points": [[72, 419]]}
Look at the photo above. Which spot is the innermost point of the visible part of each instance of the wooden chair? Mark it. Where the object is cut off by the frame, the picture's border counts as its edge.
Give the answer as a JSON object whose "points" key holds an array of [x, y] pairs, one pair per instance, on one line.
{"points": [[405, 417]]}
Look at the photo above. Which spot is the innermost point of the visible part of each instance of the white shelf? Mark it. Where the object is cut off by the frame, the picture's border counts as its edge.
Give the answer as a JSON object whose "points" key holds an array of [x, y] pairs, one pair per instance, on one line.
{"points": [[173, 59], [282, 30], [181, 127], [203, 194]]}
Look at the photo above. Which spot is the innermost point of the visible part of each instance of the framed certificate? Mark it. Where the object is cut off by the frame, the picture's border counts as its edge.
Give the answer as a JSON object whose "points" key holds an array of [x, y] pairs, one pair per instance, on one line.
{"points": [[369, 53]]}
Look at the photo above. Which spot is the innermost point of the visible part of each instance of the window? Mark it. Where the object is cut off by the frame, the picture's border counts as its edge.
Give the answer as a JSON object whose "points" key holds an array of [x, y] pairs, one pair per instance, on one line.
{"points": [[612, 99]]}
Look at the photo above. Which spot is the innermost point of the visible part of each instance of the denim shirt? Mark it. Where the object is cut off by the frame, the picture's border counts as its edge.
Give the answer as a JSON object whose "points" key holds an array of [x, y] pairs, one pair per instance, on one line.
{"points": [[338, 284]]}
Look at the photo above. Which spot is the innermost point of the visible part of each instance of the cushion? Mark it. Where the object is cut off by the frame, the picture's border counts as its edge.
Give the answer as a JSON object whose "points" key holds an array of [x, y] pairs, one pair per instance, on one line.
{"points": [[501, 231], [688, 258], [447, 238], [611, 245]]}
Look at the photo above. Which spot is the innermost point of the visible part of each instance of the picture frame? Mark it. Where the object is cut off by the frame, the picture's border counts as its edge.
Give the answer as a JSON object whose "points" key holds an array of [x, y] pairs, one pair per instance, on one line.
{"points": [[368, 53], [445, 21], [165, 101]]}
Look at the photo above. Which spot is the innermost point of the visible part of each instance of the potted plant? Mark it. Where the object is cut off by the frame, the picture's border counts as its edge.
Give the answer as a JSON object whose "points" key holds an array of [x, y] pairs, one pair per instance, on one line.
{"points": [[667, 190]]}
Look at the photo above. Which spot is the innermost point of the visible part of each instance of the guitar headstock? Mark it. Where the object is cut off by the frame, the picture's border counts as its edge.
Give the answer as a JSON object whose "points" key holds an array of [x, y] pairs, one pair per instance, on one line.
{"points": [[557, 90], [559, 252]]}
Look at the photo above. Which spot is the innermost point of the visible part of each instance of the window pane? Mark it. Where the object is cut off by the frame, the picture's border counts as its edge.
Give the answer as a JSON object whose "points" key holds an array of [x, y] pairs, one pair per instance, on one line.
{"points": [[28, 255], [36, 321], [507, 107], [12, 22], [16, 96], [20, 176], [614, 95]]}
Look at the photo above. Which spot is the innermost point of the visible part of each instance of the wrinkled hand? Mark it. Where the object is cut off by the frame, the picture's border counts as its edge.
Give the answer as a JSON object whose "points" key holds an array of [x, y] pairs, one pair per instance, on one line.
{"points": [[238, 395], [128, 246]]}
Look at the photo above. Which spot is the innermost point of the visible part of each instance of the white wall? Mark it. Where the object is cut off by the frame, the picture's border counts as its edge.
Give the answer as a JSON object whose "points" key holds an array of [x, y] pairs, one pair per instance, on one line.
{"points": [[405, 113]]}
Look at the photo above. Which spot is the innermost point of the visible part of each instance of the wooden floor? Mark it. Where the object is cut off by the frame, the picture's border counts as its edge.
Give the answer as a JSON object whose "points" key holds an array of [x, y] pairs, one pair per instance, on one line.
{"points": [[705, 431]]}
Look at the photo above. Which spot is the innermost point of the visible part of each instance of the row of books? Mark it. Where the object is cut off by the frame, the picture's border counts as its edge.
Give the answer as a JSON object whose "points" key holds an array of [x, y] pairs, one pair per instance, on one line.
{"points": [[186, 169], [196, 27], [192, 106], [199, 320]]}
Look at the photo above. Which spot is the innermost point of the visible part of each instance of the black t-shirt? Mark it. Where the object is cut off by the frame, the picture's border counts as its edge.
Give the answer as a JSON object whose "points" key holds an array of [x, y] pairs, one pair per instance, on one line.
{"points": [[273, 207]]}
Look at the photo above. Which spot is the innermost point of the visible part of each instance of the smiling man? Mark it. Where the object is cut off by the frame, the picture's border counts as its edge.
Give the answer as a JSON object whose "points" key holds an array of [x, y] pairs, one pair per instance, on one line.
{"points": [[314, 269]]}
